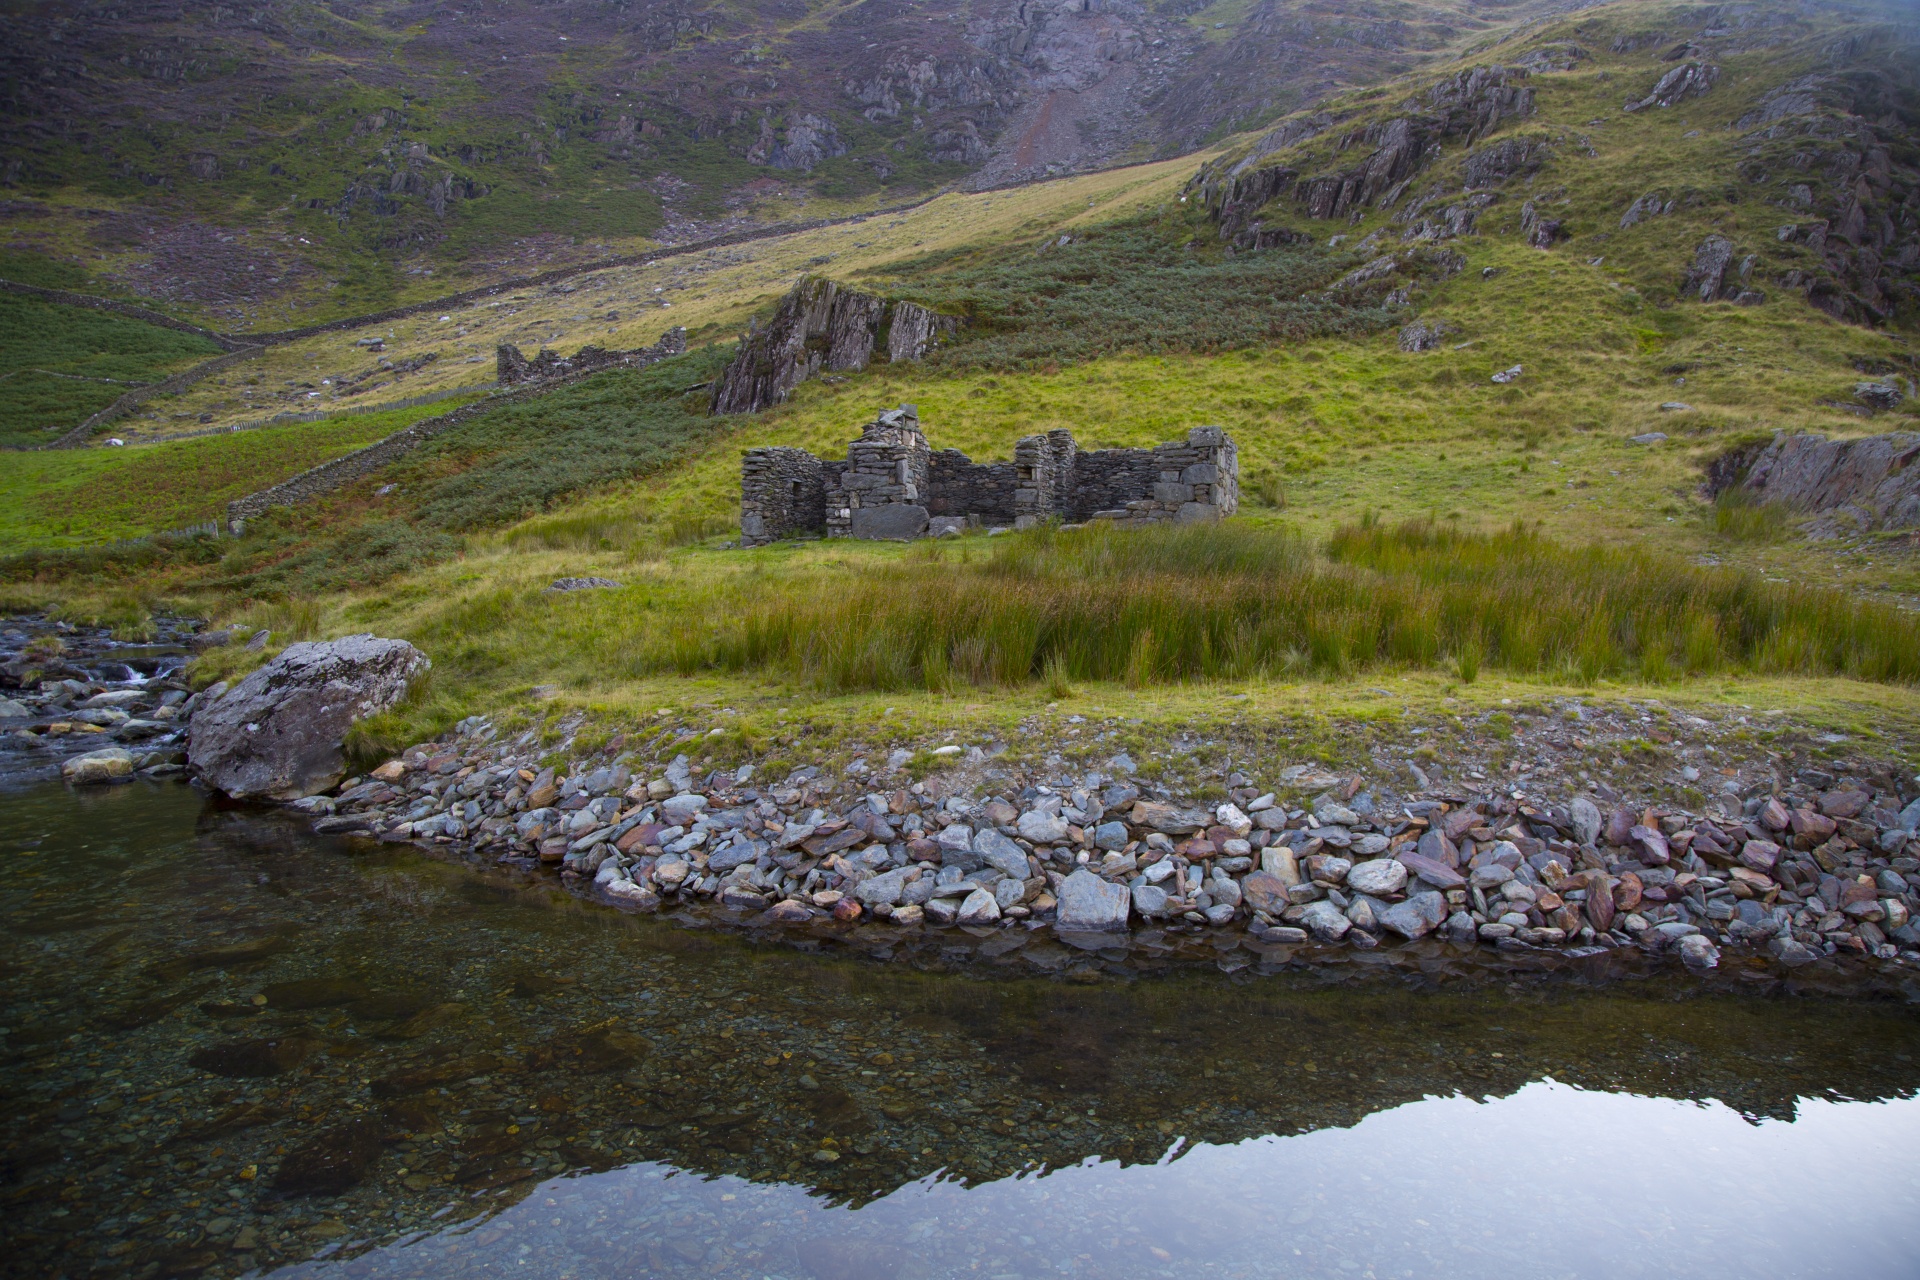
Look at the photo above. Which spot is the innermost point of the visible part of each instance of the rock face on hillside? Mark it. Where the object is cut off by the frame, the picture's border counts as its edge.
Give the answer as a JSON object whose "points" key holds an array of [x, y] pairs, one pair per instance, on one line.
{"points": [[1871, 482], [822, 325], [277, 734], [1461, 108], [1825, 144]]}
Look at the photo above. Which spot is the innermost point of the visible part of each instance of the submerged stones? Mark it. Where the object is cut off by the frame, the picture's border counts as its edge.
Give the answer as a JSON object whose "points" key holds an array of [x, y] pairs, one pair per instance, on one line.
{"points": [[243, 1058], [330, 1162]]}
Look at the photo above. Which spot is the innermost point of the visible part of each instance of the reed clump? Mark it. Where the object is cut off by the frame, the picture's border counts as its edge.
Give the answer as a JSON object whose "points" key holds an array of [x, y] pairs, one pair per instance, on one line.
{"points": [[1233, 602]]}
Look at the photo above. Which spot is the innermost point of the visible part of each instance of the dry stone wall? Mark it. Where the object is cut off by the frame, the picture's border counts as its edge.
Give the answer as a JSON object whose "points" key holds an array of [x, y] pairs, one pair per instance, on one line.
{"points": [[780, 489], [893, 485]]}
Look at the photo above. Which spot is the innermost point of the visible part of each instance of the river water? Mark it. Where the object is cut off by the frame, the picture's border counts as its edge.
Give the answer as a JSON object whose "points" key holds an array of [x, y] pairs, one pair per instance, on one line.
{"points": [[234, 1048]]}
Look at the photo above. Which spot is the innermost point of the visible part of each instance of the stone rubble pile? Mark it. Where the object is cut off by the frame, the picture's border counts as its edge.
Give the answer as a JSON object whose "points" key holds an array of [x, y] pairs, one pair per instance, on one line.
{"points": [[1827, 869]]}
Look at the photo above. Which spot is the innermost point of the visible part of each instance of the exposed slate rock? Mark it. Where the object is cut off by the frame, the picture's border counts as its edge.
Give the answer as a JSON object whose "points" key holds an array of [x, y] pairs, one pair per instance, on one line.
{"points": [[822, 325], [1689, 80], [1873, 479]]}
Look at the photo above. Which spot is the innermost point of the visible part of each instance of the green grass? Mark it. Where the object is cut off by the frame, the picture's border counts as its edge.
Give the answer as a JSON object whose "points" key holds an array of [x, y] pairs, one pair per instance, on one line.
{"points": [[72, 497], [59, 364], [1739, 515], [524, 458], [503, 466], [1142, 285], [1237, 603]]}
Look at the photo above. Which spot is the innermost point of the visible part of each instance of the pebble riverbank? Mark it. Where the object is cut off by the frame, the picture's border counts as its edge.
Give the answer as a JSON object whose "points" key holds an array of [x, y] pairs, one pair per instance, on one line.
{"points": [[1306, 866], [1302, 866]]}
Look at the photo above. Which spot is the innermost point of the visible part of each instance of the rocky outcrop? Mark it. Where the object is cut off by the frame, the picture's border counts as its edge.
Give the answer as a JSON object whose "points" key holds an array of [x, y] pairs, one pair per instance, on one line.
{"points": [[1713, 276], [1871, 481], [1422, 336], [1653, 204], [1689, 80], [819, 326], [514, 369], [278, 734], [1464, 107]]}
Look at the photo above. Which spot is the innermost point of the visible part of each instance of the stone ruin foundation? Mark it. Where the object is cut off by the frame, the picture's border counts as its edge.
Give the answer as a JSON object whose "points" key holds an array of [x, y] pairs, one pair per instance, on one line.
{"points": [[894, 485], [512, 369]]}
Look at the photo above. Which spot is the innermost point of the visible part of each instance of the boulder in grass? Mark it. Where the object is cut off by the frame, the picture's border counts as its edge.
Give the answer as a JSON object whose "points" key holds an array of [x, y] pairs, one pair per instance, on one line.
{"points": [[278, 734]]}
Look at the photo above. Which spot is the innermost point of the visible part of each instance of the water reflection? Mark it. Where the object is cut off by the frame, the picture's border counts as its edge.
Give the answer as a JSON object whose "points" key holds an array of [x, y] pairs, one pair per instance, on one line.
{"points": [[1551, 1181], [232, 1047]]}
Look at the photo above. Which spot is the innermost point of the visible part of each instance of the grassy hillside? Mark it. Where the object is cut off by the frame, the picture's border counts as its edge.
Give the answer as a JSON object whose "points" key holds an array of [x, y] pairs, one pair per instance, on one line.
{"points": [[1410, 524], [60, 364], [309, 161], [78, 497]]}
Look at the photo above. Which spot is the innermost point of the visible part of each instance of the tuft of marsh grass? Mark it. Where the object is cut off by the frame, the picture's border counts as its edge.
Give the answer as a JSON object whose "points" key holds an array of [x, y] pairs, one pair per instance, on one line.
{"points": [[1235, 601], [1739, 514]]}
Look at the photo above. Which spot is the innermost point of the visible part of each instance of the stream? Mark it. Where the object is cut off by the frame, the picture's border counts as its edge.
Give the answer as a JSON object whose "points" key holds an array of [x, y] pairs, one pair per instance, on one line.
{"points": [[235, 1048]]}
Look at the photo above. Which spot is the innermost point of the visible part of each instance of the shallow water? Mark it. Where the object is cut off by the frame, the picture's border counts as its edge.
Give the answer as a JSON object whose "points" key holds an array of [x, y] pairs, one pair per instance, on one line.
{"points": [[232, 1046]]}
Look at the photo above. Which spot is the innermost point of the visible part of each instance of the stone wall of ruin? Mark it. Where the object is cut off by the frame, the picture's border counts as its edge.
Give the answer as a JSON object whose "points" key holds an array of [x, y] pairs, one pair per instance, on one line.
{"points": [[894, 485], [959, 486], [882, 491], [782, 493], [1190, 480]]}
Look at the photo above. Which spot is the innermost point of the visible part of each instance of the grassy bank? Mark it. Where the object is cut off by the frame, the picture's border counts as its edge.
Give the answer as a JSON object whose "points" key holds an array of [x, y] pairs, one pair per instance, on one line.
{"points": [[61, 364], [1230, 603], [76, 497]]}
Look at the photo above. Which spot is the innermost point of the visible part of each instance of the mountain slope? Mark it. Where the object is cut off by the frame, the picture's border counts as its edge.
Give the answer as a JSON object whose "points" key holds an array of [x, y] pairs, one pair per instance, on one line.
{"points": [[1714, 153], [249, 163]]}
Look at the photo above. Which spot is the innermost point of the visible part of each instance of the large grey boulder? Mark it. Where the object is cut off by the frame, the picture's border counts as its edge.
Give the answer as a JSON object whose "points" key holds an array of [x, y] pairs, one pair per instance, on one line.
{"points": [[1089, 904], [1417, 917], [107, 765], [277, 735]]}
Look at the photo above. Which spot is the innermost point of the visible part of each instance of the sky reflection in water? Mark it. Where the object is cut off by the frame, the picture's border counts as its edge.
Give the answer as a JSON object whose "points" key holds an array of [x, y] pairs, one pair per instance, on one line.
{"points": [[1550, 1181], [546, 1088]]}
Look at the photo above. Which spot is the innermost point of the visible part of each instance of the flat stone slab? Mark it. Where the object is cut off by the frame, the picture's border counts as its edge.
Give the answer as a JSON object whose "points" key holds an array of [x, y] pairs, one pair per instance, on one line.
{"points": [[894, 522]]}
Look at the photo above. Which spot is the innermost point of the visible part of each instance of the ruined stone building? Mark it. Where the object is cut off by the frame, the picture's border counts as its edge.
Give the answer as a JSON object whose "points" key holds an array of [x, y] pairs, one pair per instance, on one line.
{"points": [[893, 484], [512, 369]]}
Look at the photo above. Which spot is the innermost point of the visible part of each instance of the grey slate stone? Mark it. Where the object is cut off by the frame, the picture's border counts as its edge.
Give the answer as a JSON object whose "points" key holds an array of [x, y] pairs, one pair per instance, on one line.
{"points": [[1089, 904], [891, 522], [1000, 853], [277, 734]]}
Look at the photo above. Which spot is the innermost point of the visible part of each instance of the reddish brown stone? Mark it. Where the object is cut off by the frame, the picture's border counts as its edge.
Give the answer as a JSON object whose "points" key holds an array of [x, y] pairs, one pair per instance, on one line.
{"points": [[1628, 892], [1600, 903], [1434, 873], [639, 837], [1266, 892], [1652, 846], [1845, 804], [1620, 824]]}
